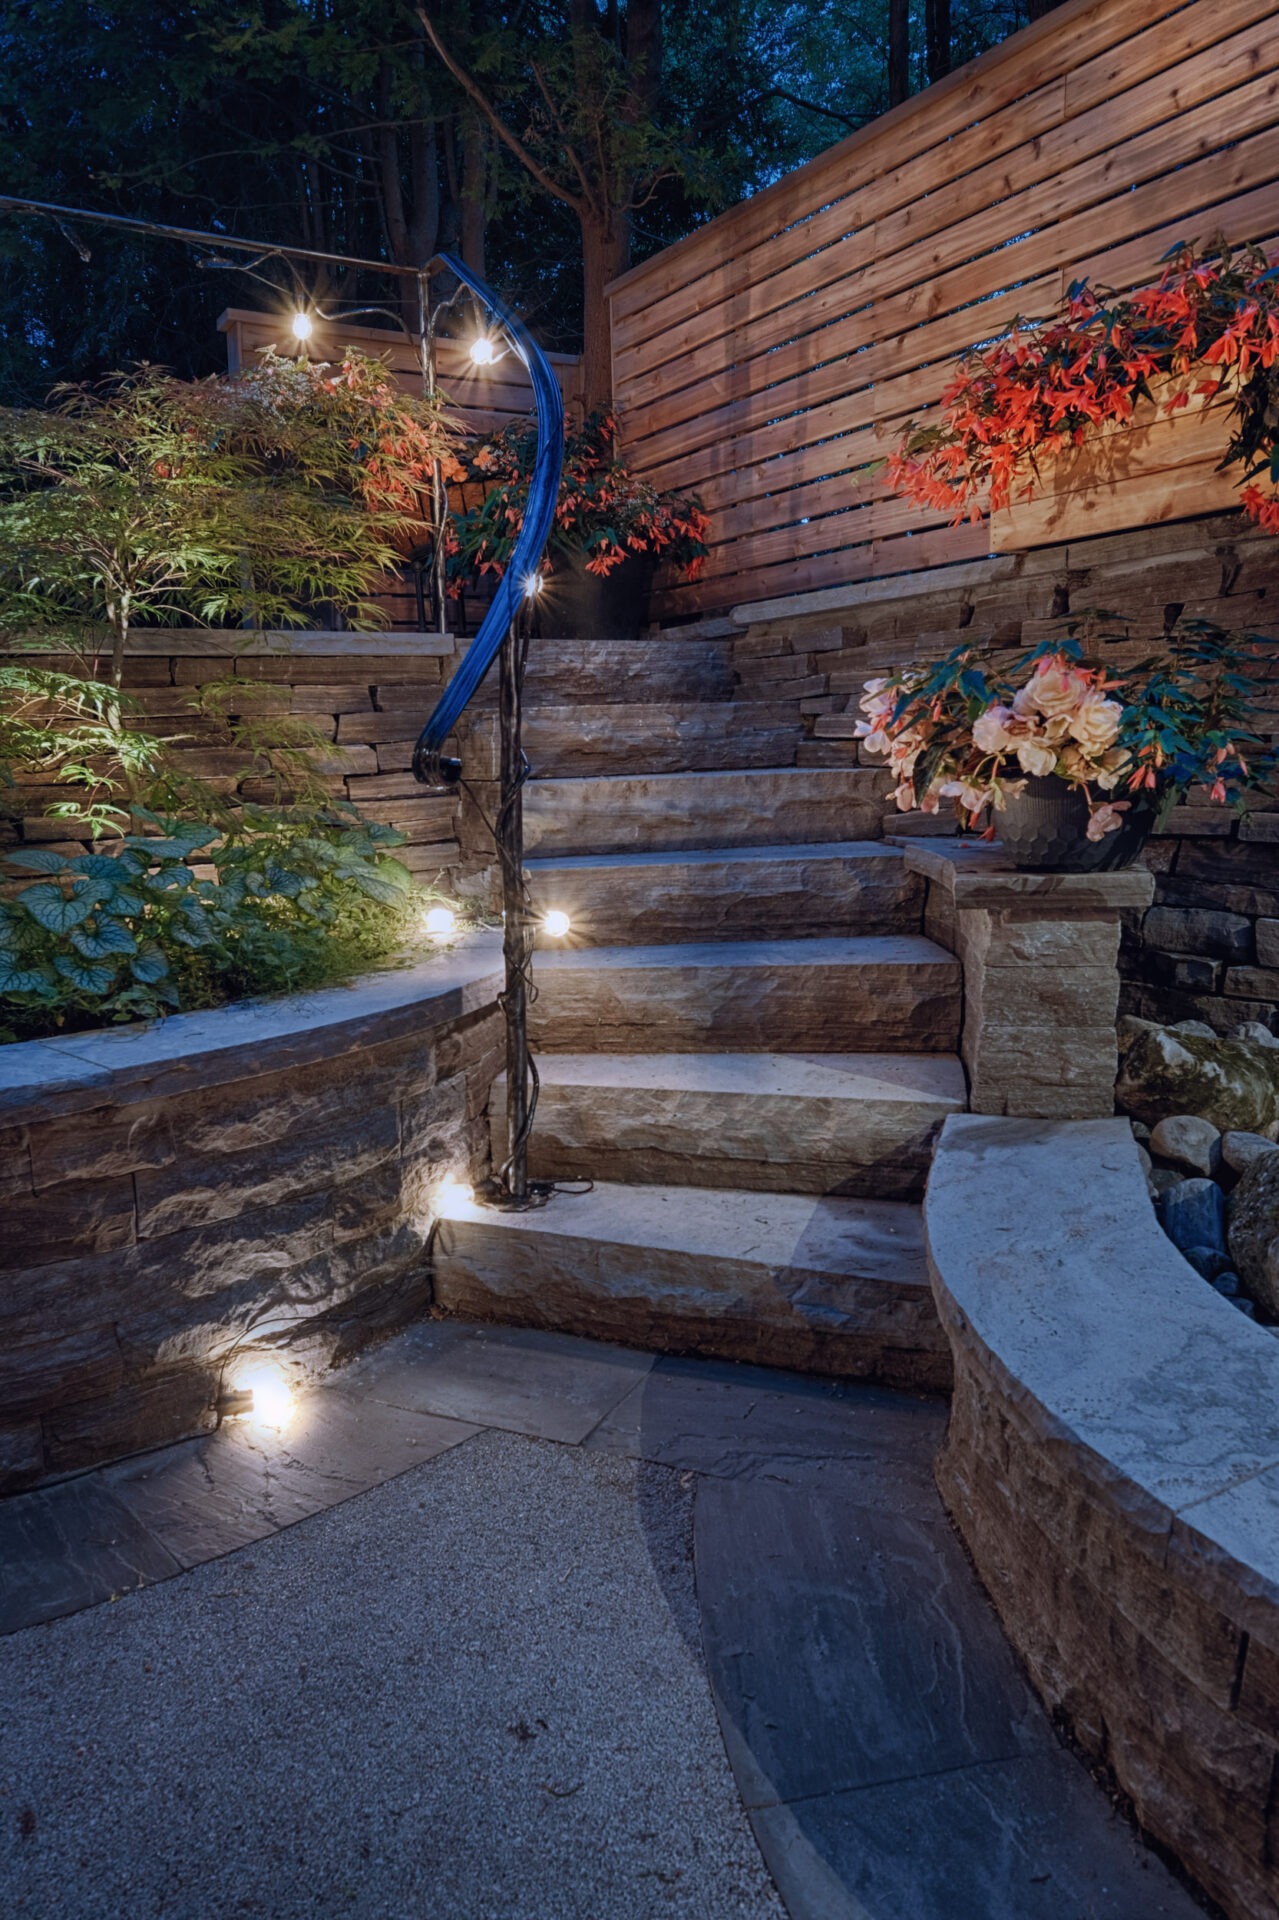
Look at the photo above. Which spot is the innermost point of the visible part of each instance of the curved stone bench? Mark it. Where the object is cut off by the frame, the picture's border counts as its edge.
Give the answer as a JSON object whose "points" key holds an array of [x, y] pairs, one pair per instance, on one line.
{"points": [[267, 1167], [1113, 1464]]}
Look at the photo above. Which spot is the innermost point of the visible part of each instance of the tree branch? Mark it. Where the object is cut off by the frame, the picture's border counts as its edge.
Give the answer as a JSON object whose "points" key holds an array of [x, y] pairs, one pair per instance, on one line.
{"points": [[558, 124], [499, 126]]}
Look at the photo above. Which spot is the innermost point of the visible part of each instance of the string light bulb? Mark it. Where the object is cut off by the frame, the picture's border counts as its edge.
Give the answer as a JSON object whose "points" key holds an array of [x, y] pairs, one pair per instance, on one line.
{"points": [[440, 921], [556, 923], [533, 584], [483, 352], [303, 325]]}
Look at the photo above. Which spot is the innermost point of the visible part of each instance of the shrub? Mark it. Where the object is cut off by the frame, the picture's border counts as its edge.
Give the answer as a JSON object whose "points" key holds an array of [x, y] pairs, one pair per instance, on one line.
{"points": [[281, 905]]}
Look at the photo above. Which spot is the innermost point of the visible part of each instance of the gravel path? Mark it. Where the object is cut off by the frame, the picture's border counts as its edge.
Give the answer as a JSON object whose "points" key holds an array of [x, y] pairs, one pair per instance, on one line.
{"points": [[475, 1693]]}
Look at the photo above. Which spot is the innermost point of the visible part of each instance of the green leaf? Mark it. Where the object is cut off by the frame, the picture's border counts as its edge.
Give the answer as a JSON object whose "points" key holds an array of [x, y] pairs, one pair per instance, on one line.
{"points": [[38, 860], [149, 966], [84, 974], [18, 979], [56, 911], [112, 936]]}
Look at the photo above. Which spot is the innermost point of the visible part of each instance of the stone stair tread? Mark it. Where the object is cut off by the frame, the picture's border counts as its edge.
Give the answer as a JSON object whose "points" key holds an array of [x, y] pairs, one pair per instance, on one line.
{"points": [[921, 1078], [841, 1239], [715, 856], [625, 811], [851, 950]]}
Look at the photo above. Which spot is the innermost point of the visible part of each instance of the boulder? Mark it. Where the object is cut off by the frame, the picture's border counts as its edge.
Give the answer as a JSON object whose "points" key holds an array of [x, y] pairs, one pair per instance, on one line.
{"points": [[1258, 1032], [1200, 1027], [1232, 1083], [1194, 1215], [1184, 1140], [1240, 1150], [1254, 1231], [1129, 1027]]}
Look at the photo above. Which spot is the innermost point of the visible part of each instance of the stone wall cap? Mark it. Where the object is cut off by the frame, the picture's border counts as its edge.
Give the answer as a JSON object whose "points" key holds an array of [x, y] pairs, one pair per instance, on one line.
{"points": [[1044, 1247], [186, 1051], [978, 873]]}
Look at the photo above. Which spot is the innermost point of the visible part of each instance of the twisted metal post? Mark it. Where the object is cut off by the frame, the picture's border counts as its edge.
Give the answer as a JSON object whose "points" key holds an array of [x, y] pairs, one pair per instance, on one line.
{"points": [[499, 635]]}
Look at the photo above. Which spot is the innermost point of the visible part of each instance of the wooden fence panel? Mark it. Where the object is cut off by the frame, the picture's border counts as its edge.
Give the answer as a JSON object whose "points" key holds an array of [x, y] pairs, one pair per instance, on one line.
{"points": [[770, 359]]}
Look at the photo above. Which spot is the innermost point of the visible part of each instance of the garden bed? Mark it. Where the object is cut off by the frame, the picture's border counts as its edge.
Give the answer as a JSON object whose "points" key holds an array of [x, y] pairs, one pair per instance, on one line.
{"points": [[260, 1173], [1113, 1464]]}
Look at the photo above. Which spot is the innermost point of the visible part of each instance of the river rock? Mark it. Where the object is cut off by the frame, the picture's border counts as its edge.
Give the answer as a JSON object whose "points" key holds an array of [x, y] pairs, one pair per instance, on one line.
{"points": [[1211, 1262], [1240, 1150], [1254, 1230], [1194, 1214], [1184, 1140], [1232, 1083], [1227, 1283], [1258, 1032], [1164, 1179], [1140, 1132], [1199, 1027]]}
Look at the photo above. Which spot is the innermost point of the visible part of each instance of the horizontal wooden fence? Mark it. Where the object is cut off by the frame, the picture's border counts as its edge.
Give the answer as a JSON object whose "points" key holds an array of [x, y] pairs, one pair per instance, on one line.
{"points": [[769, 360], [483, 398]]}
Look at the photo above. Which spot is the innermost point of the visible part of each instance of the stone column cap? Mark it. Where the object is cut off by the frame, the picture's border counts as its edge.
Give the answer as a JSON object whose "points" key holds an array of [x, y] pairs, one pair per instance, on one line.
{"points": [[978, 873]]}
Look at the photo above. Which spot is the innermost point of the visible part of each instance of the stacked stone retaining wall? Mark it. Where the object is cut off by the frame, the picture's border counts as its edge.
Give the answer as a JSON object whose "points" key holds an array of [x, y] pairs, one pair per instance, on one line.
{"points": [[260, 1172], [1209, 947]]}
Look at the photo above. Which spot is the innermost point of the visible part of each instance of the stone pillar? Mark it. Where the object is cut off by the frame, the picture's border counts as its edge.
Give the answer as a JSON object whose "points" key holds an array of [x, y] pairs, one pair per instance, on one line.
{"points": [[1040, 953]]}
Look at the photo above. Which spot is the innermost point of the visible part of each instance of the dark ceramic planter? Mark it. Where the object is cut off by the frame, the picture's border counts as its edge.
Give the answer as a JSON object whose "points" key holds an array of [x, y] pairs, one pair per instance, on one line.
{"points": [[1044, 830], [578, 605]]}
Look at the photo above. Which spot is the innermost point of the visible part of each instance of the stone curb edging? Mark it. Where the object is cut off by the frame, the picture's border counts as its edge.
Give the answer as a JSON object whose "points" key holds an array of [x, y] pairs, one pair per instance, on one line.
{"points": [[1112, 1462]]}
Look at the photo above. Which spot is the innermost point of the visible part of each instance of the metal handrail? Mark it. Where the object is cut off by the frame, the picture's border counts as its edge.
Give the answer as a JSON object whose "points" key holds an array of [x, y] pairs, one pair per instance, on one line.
{"points": [[430, 765]]}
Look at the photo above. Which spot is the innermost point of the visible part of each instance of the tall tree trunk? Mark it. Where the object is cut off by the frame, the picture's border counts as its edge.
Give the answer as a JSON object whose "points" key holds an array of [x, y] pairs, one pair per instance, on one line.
{"points": [[606, 248], [474, 191], [937, 38], [898, 51]]}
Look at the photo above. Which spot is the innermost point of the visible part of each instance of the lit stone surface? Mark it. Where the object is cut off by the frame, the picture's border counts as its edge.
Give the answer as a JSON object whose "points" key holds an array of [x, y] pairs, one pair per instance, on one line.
{"points": [[833, 1286], [764, 996], [731, 893], [765, 807], [798, 1123]]}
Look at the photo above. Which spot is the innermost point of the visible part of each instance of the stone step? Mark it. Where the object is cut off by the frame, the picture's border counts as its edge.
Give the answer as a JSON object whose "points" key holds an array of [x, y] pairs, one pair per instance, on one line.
{"points": [[850, 1123], [831, 1286], [730, 893], [614, 670], [670, 736], [882, 993], [662, 812]]}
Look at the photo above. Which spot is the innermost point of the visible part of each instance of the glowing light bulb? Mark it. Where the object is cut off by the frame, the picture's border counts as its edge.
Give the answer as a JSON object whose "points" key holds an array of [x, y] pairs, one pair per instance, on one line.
{"points": [[556, 924], [533, 584], [273, 1403], [303, 325], [482, 351], [453, 1197], [440, 921]]}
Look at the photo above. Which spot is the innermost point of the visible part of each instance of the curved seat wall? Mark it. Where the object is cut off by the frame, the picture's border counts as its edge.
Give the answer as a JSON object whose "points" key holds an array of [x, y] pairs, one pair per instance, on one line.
{"points": [[1112, 1462]]}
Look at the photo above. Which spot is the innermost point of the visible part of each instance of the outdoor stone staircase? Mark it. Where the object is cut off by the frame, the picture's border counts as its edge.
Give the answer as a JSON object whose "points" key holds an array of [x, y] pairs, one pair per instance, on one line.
{"points": [[744, 1041]]}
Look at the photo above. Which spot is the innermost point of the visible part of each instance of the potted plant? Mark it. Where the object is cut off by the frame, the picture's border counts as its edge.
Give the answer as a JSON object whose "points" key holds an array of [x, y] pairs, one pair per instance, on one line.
{"points": [[1071, 764], [1015, 408], [610, 531]]}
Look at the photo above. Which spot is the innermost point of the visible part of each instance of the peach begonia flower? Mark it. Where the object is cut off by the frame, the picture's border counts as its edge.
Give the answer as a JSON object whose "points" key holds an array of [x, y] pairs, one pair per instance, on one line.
{"points": [[1106, 818], [1035, 758], [1055, 691], [990, 729], [1095, 723], [973, 799]]}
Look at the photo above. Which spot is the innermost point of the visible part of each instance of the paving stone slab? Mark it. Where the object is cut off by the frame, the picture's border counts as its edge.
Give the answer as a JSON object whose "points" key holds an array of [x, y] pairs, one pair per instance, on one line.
{"points": [[208, 1496], [731, 1420], [69, 1547], [1031, 1838], [751, 807], [849, 1646], [548, 1385]]}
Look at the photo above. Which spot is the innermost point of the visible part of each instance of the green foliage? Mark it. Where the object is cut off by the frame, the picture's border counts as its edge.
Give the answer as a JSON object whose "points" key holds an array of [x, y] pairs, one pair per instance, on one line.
{"points": [[142, 498], [603, 512], [283, 903]]}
